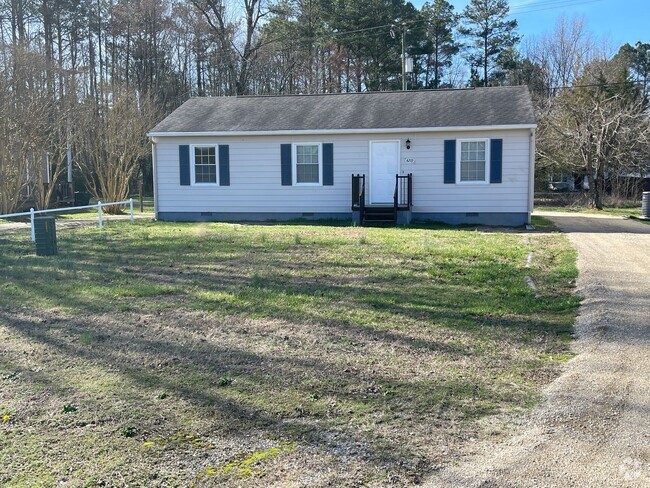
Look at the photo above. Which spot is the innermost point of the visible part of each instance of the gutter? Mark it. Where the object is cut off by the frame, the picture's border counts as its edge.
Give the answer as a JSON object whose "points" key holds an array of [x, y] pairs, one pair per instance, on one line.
{"points": [[394, 130]]}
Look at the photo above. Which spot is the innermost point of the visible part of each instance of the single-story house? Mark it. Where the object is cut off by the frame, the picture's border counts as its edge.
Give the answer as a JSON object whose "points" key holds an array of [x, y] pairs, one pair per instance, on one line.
{"points": [[455, 156]]}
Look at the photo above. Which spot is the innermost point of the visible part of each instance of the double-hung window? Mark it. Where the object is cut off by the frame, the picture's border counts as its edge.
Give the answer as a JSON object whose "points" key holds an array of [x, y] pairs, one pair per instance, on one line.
{"points": [[204, 165], [308, 164], [472, 161]]}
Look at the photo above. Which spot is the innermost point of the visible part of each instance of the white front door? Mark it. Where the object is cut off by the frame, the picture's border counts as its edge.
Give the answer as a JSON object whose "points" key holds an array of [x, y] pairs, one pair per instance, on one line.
{"points": [[384, 165]]}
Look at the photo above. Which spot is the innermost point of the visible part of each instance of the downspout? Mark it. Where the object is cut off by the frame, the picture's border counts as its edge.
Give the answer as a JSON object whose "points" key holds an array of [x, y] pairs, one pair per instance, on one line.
{"points": [[155, 177], [531, 175]]}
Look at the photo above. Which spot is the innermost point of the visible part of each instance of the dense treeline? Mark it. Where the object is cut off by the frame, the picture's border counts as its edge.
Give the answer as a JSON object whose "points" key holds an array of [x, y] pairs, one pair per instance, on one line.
{"points": [[81, 80], [173, 49]]}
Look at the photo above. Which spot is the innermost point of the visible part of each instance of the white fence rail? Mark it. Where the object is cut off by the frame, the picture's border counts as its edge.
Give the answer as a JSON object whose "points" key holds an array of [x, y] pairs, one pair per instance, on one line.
{"points": [[99, 205]]}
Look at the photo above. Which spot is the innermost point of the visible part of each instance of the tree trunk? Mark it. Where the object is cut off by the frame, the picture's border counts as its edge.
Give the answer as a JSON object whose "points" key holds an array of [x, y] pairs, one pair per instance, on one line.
{"points": [[599, 187], [485, 60]]}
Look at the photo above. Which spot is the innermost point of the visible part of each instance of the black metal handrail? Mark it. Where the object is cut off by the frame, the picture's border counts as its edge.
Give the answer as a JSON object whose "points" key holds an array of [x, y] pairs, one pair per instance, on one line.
{"points": [[403, 194], [359, 194]]}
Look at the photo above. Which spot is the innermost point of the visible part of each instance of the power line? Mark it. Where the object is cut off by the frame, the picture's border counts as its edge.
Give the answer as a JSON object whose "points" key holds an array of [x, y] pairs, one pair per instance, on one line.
{"points": [[334, 33], [537, 6], [543, 4], [552, 5], [590, 85]]}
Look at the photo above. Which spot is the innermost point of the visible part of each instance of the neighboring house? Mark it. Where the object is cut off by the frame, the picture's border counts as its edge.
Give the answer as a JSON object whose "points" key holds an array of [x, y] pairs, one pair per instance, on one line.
{"points": [[567, 182], [455, 156]]}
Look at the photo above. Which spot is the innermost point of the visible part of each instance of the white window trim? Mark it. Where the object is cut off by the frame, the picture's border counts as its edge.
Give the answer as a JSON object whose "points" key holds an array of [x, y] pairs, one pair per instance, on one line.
{"points": [[192, 163], [459, 145], [294, 163]]}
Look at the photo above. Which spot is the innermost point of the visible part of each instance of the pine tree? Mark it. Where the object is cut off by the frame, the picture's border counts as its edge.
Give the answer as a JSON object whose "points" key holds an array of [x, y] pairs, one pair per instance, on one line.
{"points": [[486, 24], [440, 20], [638, 59]]}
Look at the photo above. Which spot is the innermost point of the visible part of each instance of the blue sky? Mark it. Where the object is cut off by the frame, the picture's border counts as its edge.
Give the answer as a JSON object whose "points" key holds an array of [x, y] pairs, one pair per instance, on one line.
{"points": [[620, 21]]}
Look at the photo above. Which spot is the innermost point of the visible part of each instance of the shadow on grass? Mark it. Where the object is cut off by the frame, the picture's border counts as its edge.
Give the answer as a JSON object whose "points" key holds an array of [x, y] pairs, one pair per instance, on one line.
{"points": [[246, 280], [409, 296], [124, 348], [310, 282]]}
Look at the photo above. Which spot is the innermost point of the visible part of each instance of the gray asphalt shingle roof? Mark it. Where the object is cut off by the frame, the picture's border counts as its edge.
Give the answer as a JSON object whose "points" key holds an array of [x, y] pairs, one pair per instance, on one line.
{"points": [[375, 110]]}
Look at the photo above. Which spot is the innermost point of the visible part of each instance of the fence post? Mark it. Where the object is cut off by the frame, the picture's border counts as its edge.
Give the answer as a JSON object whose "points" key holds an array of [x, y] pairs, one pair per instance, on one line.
{"points": [[31, 218], [131, 207], [99, 215]]}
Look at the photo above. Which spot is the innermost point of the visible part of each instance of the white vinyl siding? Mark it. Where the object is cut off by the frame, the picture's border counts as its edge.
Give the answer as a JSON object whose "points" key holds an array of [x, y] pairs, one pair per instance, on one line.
{"points": [[255, 175]]}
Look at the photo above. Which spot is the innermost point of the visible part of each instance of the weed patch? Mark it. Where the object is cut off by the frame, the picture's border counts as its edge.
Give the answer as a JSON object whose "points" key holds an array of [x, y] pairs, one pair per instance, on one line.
{"points": [[69, 408], [251, 464]]}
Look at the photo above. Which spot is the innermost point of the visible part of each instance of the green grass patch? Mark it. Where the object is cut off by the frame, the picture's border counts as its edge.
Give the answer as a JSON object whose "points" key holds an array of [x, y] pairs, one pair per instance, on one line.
{"points": [[543, 224], [354, 346], [613, 211]]}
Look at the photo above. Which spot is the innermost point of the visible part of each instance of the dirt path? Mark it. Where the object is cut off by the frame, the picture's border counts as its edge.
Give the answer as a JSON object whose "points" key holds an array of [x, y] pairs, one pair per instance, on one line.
{"points": [[593, 426]]}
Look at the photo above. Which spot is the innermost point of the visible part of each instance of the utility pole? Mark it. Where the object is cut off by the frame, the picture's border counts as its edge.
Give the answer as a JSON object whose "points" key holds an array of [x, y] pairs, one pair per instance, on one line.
{"points": [[403, 30], [403, 57]]}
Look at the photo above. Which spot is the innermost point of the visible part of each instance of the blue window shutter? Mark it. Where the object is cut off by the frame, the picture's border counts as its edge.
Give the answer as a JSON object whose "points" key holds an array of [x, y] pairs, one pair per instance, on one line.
{"points": [[450, 161], [285, 161], [496, 160], [328, 164], [184, 164], [224, 165]]}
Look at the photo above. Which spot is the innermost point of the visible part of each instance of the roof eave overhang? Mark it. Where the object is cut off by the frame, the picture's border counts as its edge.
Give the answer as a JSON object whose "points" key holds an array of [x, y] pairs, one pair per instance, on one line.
{"points": [[233, 133]]}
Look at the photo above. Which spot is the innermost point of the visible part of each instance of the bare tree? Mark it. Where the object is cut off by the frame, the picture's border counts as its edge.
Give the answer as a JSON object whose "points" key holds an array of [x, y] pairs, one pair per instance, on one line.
{"points": [[600, 127], [563, 53], [50, 162], [112, 142], [239, 48], [27, 119], [14, 152]]}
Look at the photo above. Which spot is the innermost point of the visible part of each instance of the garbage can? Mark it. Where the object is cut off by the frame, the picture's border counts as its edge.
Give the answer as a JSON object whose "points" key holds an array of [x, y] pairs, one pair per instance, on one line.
{"points": [[645, 205], [45, 236]]}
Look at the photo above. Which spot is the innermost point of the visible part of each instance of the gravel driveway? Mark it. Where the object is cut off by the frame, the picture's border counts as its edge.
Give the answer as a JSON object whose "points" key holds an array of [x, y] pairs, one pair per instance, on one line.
{"points": [[593, 426]]}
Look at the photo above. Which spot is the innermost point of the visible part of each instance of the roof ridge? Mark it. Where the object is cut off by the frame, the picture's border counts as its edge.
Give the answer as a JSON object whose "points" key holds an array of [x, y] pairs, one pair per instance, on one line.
{"points": [[378, 92]]}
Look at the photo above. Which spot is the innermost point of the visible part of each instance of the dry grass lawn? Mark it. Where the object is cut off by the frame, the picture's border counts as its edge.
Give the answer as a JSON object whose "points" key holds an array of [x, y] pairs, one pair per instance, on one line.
{"points": [[257, 355]]}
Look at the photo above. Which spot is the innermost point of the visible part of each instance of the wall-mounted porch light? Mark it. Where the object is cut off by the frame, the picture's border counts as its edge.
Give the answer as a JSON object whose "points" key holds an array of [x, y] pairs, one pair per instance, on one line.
{"points": [[408, 143]]}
